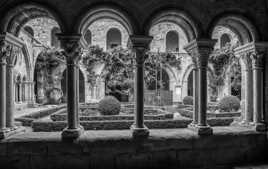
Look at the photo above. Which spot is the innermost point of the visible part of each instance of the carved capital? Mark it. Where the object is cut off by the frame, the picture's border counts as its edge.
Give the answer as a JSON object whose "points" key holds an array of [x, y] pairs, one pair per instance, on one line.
{"points": [[253, 54], [71, 46], [15, 51], [258, 59], [5, 50], [140, 45], [200, 51]]}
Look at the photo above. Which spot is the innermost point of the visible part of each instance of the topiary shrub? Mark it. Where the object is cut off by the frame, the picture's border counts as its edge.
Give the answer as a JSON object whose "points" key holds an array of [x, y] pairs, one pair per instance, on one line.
{"points": [[228, 104], [188, 100], [109, 105]]}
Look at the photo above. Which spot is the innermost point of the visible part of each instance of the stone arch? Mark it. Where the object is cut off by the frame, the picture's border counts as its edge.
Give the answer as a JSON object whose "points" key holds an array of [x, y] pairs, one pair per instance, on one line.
{"points": [[113, 38], [105, 11], [172, 41], [180, 18], [82, 85], [17, 16], [185, 76], [239, 24]]}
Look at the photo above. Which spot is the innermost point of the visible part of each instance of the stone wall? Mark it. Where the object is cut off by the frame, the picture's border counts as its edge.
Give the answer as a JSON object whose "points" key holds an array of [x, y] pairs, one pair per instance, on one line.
{"points": [[169, 149]]}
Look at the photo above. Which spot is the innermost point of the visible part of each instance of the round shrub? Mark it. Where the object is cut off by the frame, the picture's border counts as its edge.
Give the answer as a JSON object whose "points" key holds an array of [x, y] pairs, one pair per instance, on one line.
{"points": [[188, 100], [229, 103], [109, 105]]}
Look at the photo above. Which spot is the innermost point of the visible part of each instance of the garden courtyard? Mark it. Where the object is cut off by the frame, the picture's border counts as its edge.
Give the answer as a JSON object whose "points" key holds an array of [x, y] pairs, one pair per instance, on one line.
{"points": [[133, 84]]}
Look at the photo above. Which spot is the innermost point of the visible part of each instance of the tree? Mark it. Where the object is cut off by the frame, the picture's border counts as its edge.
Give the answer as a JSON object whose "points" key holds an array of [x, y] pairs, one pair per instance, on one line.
{"points": [[120, 66]]}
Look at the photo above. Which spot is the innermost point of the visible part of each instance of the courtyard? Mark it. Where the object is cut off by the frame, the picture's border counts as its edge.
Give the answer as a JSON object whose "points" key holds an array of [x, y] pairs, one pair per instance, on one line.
{"points": [[134, 84]]}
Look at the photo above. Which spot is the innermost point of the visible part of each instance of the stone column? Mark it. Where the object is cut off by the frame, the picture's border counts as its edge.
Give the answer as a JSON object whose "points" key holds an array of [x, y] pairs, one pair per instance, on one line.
{"points": [[195, 88], [72, 52], [10, 107], [248, 90], [140, 46], [3, 53], [258, 67], [200, 49]]}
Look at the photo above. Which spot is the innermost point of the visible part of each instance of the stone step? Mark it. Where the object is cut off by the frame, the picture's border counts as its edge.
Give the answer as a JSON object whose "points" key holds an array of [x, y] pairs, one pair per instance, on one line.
{"points": [[253, 167]]}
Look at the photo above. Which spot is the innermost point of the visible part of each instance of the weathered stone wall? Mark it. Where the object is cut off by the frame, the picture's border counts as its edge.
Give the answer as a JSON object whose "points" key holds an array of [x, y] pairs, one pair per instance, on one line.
{"points": [[99, 31], [42, 29], [169, 149]]}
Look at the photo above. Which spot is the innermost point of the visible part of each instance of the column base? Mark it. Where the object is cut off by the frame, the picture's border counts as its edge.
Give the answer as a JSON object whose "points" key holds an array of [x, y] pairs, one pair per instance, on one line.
{"points": [[7, 132], [71, 134], [139, 133], [201, 130], [261, 127]]}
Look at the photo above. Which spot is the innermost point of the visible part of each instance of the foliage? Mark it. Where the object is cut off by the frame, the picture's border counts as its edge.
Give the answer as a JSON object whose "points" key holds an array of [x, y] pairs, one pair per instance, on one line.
{"points": [[120, 67], [229, 103], [188, 100], [225, 63], [46, 62], [109, 105]]}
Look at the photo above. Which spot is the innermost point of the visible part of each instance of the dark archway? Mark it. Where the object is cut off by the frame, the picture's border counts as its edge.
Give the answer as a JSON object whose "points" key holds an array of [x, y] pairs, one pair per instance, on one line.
{"points": [[190, 84], [164, 78], [224, 40], [54, 40], [81, 86], [172, 41], [114, 38]]}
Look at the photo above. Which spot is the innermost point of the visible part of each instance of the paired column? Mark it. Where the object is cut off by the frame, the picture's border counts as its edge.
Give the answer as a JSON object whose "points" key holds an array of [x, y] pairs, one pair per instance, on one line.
{"points": [[258, 67], [200, 50], [140, 46], [253, 54], [72, 52]]}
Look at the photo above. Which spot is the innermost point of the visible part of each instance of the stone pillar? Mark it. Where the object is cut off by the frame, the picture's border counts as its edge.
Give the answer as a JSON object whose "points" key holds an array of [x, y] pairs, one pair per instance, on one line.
{"points": [[10, 107], [248, 118], [200, 50], [258, 67], [3, 63], [140, 46], [72, 52]]}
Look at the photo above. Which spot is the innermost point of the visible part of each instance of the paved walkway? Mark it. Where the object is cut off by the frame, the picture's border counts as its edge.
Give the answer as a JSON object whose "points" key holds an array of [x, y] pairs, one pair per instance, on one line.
{"points": [[23, 112]]}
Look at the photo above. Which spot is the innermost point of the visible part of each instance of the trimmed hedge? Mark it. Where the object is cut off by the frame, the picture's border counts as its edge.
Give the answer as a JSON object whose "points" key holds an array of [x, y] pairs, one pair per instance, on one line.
{"points": [[229, 104], [188, 100], [109, 105]]}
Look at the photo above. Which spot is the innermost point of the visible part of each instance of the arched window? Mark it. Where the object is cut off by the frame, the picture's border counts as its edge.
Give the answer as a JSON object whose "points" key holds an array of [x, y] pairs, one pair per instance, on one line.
{"points": [[54, 40], [113, 38], [29, 30], [172, 41], [225, 39], [87, 37]]}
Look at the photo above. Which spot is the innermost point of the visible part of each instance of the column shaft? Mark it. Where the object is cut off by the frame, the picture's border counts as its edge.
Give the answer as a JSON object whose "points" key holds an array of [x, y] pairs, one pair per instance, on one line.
{"points": [[248, 96], [195, 95], [258, 95], [72, 99], [139, 97], [202, 104], [2, 94], [10, 97]]}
